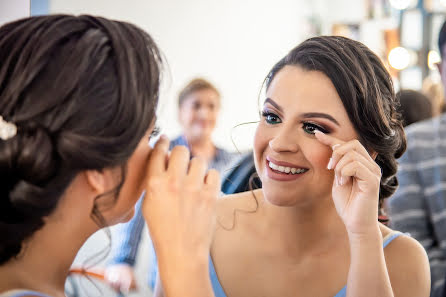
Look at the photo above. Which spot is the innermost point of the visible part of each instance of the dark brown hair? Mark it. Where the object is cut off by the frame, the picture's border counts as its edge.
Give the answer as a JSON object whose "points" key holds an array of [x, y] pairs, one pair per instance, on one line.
{"points": [[195, 85], [82, 91], [366, 90]]}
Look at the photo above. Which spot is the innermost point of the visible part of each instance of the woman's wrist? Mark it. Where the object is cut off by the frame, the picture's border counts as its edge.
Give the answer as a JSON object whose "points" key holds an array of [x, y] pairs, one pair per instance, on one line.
{"points": [[187, 276], [368, 237]]}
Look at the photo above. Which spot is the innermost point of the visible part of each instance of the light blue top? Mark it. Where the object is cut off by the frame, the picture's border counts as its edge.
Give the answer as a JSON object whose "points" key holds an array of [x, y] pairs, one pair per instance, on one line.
{"points": [[219, 292]]}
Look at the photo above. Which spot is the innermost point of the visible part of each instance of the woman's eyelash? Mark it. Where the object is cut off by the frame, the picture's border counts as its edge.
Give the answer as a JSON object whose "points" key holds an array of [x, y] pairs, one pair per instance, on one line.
{"points": [[312, 127], [155, 132], [270, 117]]}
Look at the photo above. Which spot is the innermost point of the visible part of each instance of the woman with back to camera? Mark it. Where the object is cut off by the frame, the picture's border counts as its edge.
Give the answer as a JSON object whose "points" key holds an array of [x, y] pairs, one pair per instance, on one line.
{"points": [[198, 108], [78, 97], [325, 151]]}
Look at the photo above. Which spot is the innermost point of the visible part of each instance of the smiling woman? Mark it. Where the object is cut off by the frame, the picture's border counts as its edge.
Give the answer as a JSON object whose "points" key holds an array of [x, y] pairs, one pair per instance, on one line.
{"points": [[325, 150]]}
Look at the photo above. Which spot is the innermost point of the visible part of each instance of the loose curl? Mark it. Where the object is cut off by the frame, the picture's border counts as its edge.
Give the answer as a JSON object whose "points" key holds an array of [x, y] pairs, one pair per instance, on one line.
{"points": [[366, 90], [82, 92]]}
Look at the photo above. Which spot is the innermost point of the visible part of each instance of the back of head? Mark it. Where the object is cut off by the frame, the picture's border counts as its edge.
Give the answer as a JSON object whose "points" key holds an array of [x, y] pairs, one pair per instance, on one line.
{"points": [[414, 106], [366, 90], [82, 92]]}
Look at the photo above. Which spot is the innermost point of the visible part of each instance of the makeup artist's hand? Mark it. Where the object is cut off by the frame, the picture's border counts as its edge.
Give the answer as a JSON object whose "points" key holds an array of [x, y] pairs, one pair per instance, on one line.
{"points": [[356, 185], [180, 208]]}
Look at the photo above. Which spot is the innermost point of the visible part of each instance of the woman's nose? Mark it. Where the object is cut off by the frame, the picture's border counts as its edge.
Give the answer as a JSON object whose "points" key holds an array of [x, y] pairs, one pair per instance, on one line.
{"points": [[284, 141]]}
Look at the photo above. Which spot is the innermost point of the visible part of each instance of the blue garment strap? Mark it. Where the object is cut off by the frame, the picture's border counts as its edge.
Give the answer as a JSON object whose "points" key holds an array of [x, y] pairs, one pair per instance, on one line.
{"points": [[391, 236], [28, 293], [219, 292]]}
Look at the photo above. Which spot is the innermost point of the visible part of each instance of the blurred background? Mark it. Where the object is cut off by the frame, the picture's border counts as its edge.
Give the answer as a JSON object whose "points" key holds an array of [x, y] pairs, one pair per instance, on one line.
{"points": [[234, 43]]}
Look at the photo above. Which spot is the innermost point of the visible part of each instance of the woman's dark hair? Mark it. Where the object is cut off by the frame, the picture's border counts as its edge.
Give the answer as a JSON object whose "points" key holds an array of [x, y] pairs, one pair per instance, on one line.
{"points": [[82, 92], [414, 106], [195, 85], [366, 91]]}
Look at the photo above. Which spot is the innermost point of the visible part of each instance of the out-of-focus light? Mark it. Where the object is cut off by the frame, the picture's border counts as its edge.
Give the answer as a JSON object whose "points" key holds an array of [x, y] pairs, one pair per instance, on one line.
{"points": [[433, 57], [443, 2], [399, 58], [403, 4]]}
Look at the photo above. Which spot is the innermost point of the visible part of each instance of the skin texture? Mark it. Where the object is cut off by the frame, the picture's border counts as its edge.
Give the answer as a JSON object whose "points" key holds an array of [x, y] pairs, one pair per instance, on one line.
{"points": [[288, 234]]}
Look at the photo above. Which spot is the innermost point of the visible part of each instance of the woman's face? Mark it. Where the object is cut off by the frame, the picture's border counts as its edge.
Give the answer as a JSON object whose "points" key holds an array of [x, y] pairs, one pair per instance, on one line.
{"points": [[198, 113], [290, 161], [124, 207]]}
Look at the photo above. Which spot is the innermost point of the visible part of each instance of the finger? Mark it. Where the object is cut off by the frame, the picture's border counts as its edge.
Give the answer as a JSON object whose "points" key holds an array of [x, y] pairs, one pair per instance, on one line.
{"points": [[360, 172], [197, 170], [158, 156], [353, 145], [329, 140], [212, 180], [355, 156], [178, 161]]}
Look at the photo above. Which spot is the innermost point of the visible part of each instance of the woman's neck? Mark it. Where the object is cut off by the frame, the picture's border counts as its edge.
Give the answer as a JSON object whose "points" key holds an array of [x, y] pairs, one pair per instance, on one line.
{"points": [[299, 229], [45, 260]]}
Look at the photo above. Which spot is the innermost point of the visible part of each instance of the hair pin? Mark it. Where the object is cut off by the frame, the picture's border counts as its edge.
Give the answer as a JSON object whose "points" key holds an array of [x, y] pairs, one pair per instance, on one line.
{"points": [[7, 130]]}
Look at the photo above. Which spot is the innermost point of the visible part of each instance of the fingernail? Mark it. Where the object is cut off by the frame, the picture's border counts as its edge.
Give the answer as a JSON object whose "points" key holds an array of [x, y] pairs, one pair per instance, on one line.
{"points": [[342, 181], [335, 146], [330, 164], [336, 180]]}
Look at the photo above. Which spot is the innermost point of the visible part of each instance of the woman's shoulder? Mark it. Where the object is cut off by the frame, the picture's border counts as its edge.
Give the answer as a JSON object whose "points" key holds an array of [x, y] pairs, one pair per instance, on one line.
{"points": [[405, 254], [239, 207], [400, 244]]}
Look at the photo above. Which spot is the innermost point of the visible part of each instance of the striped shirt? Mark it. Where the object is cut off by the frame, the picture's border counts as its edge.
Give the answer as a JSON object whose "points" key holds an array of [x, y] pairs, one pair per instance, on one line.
{"points": [[419, 205]]}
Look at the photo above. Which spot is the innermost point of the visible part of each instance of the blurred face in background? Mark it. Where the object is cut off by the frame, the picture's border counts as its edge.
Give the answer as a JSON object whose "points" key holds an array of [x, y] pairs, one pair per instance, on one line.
{"points": [[198, 114], [442, 66]]}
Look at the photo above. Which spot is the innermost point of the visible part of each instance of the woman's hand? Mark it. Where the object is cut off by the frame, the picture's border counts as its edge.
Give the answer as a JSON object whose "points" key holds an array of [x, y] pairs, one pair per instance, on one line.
{"points": [[356, 185], [179, 208]]}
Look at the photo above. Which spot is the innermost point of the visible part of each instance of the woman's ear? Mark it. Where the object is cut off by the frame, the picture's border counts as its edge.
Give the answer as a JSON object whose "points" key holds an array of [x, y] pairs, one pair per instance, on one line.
{"points": [[96, 180]]}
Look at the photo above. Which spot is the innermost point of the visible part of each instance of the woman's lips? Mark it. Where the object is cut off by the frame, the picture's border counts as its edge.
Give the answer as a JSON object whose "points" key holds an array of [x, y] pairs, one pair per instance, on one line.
{"points": [[282, 176]]}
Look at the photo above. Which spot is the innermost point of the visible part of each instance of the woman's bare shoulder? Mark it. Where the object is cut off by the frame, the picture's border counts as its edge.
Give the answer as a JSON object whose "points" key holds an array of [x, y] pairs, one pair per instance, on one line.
{"points": [[229, 206], [407, 264]]}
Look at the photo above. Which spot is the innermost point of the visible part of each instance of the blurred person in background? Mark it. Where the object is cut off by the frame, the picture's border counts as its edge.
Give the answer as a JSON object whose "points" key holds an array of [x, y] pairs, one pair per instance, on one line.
{"points": [[199, 106], [435, 92], [414, 106], [418, 206]]}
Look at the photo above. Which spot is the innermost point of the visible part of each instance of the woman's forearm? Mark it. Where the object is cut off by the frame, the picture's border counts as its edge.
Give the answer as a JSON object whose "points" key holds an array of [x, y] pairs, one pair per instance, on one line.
{"points": [[186, 278], [368, 274]]}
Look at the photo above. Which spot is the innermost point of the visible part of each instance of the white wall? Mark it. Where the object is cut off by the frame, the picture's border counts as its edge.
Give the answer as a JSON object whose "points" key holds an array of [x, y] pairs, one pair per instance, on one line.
{"points": [[233, 43], [13, 9]]}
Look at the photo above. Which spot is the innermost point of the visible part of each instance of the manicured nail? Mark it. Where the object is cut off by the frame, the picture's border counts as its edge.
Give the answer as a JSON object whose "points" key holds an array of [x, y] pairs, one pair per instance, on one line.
{"points": [[330, 164], [342, 181], [335, 146]]}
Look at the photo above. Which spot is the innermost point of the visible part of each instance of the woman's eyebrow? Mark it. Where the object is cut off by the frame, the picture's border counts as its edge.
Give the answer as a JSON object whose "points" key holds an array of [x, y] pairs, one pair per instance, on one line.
{"points": [[319, 115], [273, 103]]}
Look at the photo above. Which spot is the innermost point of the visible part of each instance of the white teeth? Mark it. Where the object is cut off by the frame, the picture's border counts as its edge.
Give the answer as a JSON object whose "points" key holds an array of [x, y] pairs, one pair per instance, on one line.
{"points": [[286, 169]]}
